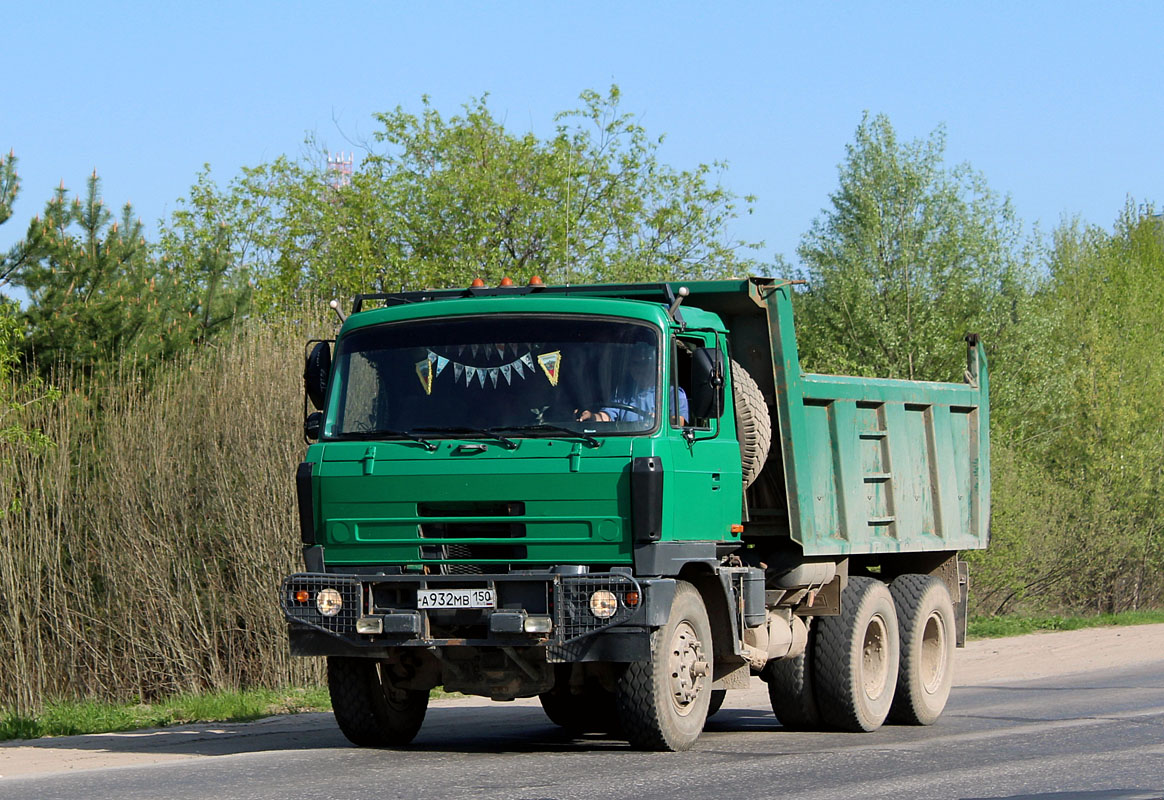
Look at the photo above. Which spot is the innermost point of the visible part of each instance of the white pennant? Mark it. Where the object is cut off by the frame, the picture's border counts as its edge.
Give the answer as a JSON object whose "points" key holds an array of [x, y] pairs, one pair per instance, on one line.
{"points": [[493, 376], [507, 373], [441, 363]]}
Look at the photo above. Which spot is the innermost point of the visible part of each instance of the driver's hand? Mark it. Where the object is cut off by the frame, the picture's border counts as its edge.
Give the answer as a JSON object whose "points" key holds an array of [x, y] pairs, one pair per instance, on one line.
{"points": [[597, 416]]}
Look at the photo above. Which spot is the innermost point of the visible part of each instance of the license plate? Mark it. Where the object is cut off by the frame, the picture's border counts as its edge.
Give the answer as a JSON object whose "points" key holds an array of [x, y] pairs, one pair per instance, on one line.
{"points": [[455, 598]]}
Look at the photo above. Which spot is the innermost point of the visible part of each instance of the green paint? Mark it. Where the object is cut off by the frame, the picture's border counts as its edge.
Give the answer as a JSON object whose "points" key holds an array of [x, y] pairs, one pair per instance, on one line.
{"points": [[863, 465]]}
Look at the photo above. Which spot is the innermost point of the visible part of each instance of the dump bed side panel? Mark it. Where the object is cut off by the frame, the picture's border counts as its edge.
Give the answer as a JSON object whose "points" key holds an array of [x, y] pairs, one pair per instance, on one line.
{"points": [[874, 465]]}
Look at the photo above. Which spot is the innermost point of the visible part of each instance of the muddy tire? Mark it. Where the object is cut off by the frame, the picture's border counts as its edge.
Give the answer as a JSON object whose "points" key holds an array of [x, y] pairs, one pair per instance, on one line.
{"points": [[753, 423], [591, 710], [662, 703], [925, 615], [369, 712], [717, 698], [790, 689], [856, 658]]}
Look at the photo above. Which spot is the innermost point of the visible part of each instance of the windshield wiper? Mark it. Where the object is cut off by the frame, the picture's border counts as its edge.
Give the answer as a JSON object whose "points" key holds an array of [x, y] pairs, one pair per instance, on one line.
{"points": [[382, 432], [547, 428], [509, 444]]}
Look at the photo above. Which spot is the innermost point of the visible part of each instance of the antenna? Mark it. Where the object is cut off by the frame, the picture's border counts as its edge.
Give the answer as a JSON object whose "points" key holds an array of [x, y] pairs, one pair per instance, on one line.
{"points": [[339, 168]]}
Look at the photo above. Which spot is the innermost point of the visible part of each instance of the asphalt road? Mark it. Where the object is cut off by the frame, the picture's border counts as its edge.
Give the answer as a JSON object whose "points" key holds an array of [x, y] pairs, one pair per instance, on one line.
{"points": [[1096, 735]]}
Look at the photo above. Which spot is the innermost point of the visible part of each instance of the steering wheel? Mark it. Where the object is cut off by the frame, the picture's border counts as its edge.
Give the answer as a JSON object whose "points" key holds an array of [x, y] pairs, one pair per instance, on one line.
{"points": [[628, 407]]}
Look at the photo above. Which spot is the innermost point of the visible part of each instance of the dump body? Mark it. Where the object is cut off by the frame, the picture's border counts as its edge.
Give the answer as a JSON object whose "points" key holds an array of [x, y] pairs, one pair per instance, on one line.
{"points": [[870, 465]]}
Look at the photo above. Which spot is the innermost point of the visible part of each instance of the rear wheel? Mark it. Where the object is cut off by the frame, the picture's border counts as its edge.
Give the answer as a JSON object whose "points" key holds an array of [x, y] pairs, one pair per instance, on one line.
{"points": [[790, 689], [368, 709], [856, 658], [926, 616], [662, 703]]}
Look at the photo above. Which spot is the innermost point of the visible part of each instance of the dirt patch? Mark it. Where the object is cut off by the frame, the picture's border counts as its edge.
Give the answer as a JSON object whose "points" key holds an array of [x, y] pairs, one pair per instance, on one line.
{"points": [[1036, 655], [1044, 655]]}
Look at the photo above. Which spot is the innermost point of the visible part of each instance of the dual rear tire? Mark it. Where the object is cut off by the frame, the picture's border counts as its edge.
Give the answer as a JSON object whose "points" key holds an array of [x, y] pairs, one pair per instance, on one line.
{"points": [[888, 655]]}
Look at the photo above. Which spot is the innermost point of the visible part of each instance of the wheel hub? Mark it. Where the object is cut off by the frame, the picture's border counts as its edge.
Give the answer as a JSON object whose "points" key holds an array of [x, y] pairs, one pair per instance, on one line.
{"points": [[688, 668]]}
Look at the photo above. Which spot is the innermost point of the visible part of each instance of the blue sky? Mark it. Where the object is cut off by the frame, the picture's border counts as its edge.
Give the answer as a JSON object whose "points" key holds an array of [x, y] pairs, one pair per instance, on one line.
{"points": [[1058, 104]]}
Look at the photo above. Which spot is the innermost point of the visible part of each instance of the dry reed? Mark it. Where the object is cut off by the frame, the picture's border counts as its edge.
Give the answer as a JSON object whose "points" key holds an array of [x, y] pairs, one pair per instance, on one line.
{"points": [[145, 553]]}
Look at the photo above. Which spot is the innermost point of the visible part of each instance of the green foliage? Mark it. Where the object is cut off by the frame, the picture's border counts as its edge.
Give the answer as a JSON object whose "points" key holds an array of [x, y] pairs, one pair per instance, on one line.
{"points": [[910, 256], [1014, 625], [98, 295], [438, 202], [19, 395], [1092, 418]]}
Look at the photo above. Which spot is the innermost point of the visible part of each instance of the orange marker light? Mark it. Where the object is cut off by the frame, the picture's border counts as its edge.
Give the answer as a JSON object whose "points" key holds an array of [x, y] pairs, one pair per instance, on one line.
{"points": [[507, 281], [737, 528], [536, 280], [632, 598], [477, 283], [302, 596]]}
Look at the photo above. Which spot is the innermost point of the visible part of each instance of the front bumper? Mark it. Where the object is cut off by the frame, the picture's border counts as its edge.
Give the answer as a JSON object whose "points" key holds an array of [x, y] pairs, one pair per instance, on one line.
{"points": [[385, 606]]}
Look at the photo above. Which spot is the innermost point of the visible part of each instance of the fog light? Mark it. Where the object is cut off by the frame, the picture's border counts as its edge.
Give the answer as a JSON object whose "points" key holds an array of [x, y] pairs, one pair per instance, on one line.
{"points": [[370, 625], [603, 604], [329, 602], [538, 624]]}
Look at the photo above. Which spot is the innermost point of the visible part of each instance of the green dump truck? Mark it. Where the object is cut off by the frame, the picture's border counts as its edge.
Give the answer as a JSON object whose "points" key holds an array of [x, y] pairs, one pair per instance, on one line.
{"points": [[627, 500]]}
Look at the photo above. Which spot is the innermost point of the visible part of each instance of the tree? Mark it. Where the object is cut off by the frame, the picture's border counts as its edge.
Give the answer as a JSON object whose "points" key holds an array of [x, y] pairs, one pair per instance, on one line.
{"points": [[1093, 406], [438, 202], [18, 394], [97, 294], [910, 256]]}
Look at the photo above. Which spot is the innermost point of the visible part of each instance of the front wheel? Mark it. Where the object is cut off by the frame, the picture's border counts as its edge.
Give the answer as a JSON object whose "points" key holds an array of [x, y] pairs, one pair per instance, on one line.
{"points": [[368, 709], [590, 709], [663, 703]]}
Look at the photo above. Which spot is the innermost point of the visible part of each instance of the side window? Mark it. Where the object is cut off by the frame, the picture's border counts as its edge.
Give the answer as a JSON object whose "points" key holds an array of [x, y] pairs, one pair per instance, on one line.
{"points": [[680, 383]]}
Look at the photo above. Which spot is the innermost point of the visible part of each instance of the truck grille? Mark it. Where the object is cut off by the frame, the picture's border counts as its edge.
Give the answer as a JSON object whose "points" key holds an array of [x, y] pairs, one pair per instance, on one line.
{"points": [[444, 523]]}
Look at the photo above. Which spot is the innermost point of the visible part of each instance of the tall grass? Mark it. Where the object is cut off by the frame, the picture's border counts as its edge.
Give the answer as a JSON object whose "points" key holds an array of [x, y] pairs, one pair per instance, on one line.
{"points": [[144, 555]]}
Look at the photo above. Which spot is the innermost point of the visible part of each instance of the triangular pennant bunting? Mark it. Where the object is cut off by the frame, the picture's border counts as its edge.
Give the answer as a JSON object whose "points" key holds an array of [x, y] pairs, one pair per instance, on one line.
{"points": [[551, 364], [424, 372]]}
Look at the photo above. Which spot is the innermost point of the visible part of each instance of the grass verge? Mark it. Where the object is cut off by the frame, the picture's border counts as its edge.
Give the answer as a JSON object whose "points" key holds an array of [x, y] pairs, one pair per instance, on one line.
{"points": [[71, 718], [1011, 625]]}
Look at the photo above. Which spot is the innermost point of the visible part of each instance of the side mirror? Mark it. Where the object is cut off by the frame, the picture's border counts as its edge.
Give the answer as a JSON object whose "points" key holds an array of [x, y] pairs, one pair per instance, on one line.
{"points": [[316, 373], [707, 382], [312, 424]]}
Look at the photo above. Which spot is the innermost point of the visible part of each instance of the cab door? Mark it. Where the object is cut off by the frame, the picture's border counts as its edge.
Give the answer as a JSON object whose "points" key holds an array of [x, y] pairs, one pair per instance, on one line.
{"points": [[705, 481]]}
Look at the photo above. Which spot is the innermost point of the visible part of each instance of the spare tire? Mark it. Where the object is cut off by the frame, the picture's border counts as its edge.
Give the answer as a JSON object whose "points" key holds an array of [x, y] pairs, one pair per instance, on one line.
{"points": [[753, 423]]}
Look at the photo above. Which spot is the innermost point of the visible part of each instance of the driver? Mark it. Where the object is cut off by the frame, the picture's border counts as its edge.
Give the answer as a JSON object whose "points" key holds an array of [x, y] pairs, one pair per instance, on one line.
{"points": [[634, 399]]}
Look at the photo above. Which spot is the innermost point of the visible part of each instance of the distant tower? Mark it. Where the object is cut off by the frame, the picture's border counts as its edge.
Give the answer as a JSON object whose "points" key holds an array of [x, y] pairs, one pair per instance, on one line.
{"points": [[340, 169]]}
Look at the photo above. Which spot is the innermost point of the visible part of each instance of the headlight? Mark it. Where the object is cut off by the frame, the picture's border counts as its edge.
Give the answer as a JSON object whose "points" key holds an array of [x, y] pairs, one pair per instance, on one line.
{"points": [[329, 602], [603, 604]]}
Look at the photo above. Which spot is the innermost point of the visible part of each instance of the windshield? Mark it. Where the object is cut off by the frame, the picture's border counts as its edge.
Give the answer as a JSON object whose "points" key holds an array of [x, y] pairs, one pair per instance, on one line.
{"points": [[526, 375]]}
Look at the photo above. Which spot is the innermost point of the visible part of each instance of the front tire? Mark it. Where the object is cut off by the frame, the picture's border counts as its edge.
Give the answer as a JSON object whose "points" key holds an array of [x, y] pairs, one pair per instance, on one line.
{"points": [[591, 710], [662, 703], [857, 656], [926, 616], [368, 709]]}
